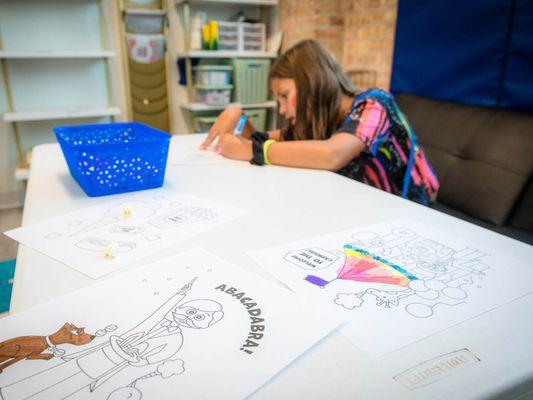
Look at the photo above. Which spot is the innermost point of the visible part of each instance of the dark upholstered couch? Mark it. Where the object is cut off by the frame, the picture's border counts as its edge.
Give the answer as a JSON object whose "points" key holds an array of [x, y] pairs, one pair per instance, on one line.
{"points": [[483, 158]]}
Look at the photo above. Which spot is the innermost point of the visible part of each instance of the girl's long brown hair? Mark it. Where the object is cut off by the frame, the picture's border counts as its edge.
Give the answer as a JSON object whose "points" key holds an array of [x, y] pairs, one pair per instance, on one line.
{"points": [[320, 84]]}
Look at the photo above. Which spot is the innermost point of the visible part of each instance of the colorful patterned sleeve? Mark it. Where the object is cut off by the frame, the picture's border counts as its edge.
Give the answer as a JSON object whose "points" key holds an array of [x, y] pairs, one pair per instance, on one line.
{"points": [[368, 121]]}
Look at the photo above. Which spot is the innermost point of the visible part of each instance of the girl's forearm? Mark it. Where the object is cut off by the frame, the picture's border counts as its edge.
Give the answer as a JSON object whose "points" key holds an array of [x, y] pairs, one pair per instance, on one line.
{"points": [[330, 154]]}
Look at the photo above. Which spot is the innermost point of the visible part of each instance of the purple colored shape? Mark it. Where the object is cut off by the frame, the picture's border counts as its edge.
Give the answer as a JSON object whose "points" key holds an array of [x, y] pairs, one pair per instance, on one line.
{"points": [[316, 280]]}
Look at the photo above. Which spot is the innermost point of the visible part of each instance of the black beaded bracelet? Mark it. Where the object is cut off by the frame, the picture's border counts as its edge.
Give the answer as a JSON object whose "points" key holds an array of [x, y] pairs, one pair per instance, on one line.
{"points": [[258, 139]]}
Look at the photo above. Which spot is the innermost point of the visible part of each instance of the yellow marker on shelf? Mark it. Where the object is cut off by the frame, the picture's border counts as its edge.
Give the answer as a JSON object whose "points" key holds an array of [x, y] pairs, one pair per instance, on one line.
{"points": [[213, 35], [205, 36]]}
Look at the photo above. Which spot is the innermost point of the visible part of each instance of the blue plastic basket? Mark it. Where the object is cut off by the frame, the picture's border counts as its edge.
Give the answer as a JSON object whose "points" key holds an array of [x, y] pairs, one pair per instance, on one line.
{"points": [[114, 158]]}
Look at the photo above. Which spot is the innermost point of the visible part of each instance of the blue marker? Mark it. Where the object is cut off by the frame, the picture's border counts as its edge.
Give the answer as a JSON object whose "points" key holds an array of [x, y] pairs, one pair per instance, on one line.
{"points": [[240, 125]]}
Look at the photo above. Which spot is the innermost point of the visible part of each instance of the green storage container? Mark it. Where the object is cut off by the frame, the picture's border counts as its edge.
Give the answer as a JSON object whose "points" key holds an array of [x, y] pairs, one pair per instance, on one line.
{"points": [[250, 78]]}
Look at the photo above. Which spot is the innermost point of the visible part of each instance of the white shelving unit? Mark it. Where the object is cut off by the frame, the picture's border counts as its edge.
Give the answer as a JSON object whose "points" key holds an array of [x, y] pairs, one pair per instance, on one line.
{"points": [[44, 115], [44, 54], [263, 10], [58, 62]]}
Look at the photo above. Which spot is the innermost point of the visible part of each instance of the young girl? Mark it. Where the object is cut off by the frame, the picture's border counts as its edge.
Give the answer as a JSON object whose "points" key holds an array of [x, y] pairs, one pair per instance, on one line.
{"points": [[327, 124]]}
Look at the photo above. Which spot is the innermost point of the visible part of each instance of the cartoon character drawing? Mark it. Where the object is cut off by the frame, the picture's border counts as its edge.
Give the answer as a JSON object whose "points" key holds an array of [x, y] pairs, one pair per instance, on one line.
{"points": [[32, 347], [155, 340], [165, 370]]}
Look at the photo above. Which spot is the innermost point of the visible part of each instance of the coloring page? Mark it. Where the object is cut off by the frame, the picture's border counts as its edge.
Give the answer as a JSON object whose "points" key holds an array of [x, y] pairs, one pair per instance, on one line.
{"points": [[190, 326], [397, 282], [187, 152], [103, 238]]}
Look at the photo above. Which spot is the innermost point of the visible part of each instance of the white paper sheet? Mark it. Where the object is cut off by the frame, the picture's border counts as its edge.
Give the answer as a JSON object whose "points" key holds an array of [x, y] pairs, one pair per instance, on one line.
{"points": [[452, 280], [191, 326], [189, 153], [159, 219]]}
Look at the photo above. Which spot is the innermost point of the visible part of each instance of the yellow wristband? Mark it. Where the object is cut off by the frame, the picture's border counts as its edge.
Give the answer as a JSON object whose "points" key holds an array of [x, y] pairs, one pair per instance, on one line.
{"points": [[266, 145]]}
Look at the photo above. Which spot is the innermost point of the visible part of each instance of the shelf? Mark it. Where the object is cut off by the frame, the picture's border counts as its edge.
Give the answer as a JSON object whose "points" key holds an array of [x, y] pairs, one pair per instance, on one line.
{"points": [[137, 11], [56, 54], [226, 54], [266, 3], [21, 116], [205, 107]]}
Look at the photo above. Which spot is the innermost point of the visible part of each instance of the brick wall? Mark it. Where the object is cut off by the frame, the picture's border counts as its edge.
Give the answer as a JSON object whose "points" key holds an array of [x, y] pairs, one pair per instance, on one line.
{"points": [[360, 33], [313, 19]]}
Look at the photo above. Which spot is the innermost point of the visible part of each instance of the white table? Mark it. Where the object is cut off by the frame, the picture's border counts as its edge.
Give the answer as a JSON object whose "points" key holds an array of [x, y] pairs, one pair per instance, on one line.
{"points": [[288, 205]]}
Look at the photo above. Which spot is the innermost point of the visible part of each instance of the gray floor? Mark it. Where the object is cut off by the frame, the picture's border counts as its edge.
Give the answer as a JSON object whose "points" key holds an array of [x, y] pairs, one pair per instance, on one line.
{"points": [[9, 219]]}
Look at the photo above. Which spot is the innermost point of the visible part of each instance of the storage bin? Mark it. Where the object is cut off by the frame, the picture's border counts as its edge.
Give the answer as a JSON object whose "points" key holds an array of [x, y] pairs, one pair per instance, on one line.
{"points": [[228, 35], [250, 78], [144, 23], [145, 49], [213, 94], [213, 74], [114, 158], [253, 37]]}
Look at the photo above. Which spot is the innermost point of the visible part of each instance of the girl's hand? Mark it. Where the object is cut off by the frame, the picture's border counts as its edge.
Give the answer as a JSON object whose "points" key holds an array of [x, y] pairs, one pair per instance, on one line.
{"points": [[225, 123], [235, 147]]}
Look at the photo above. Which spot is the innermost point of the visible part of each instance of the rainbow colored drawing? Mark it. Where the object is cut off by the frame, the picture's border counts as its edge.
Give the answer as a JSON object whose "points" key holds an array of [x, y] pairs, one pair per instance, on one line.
{"points": [[363, 266]]}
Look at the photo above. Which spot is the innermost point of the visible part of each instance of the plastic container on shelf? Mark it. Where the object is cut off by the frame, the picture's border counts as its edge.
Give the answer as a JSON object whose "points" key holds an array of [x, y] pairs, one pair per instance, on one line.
{"points": [[236, 36], [228, 35], [213, 95], [253, 36], [144, 24], [250, 80], [114, 158], [196, 29], [213, 74], [146, 49]]}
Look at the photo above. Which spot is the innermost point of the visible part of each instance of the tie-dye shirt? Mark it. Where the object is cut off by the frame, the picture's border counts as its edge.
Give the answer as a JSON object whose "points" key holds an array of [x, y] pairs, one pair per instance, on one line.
{"points": [[387, 162]]}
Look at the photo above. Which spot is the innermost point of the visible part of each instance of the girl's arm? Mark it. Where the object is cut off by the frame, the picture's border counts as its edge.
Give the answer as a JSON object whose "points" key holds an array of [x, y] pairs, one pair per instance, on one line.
{"points": [[227, 122], [331, 154]]}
